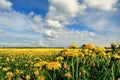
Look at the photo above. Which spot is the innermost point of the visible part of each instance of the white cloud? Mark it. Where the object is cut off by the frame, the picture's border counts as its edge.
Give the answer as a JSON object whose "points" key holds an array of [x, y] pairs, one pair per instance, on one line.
{"points": [[106, 5], [49, 33], [54, 24], [14, 20], [64, 6], [37, 18], [31, 14], [5, 4], [92, 34], [64, 11], [53, 31], [42, 44]]}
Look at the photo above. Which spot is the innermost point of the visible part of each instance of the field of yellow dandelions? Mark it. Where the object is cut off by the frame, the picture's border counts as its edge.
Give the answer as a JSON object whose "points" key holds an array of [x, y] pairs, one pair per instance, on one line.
{"points": [[73, 63]]}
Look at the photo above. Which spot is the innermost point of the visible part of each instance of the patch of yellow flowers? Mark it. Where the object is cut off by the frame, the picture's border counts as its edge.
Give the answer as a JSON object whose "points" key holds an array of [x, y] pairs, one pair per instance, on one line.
{"points": [[47, 64]]}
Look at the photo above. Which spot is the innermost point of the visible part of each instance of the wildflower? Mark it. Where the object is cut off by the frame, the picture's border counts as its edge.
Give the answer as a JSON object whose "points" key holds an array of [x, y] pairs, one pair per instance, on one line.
{"points": [[38, 59], [53, 65], [67, 67], [40, 64], [73, 46], [64, 49], [99, 49], [89, 46], [81, 54], [12, 60], [86, 51], [67, 75], [7, 59], [36, 73], [92, 63], [118, 79], [17, 71], [72, 54], [59, 58], [103, 53], [27, 77], [83, 72], [5, 69], [117, 57], [36, 65], [9, 74], [41, 78]]}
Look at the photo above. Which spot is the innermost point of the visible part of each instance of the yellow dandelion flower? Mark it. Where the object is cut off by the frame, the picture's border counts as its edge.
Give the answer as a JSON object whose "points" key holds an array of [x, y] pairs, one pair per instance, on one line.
{"points": [[103, 53], [42, 63], [59, 58], [41, 78], [9, 74], [89, 46], [64, 49], [67, 75], [83, 72], [17, 71], [7, 59], [36, 65], [73, 46], [12, 60], [81, 54], [117, 57], [26, 65], [38, 59], [67, 67], [27, 77], [118, 79], [36, 73], [72, 54], [53, 65], [5, 69]]}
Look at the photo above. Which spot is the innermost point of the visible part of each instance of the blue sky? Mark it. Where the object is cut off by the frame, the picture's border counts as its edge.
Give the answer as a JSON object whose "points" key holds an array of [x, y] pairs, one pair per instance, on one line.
{"points": [[58, 23]]}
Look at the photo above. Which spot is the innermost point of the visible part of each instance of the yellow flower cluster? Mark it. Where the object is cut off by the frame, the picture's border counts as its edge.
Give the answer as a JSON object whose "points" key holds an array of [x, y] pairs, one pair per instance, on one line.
{"points": [[53, 65], [73, 45]]}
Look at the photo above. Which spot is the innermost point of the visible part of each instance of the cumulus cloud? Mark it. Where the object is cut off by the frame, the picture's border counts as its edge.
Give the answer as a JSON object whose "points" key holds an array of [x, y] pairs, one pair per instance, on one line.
{"points": [[54, 23], [53, 30], [108, 5], [49, 33], [64, 6], [64, 10], [14, 20], [5, 4], [37, 18]]}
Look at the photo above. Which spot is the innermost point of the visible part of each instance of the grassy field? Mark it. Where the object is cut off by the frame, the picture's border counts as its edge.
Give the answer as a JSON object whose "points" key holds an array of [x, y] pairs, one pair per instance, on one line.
{"points": [[73, 63]]}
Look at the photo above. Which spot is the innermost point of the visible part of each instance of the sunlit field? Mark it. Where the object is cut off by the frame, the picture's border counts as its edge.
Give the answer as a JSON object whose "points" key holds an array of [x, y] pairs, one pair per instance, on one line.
{"points": [[73, 63]]}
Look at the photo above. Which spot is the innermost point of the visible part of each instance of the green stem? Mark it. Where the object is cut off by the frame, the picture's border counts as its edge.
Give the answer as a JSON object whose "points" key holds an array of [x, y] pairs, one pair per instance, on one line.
{"points": [[77, 69], [113, 76], [73, 69], [54, 75]]}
